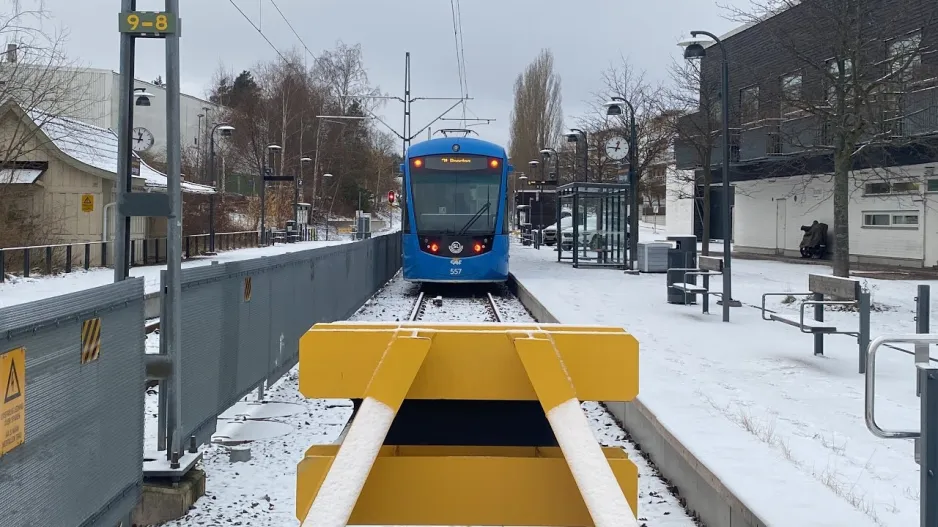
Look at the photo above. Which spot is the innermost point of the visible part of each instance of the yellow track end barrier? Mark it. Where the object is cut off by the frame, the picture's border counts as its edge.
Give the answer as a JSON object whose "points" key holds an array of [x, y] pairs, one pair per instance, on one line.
{"points": [[470, 424]]}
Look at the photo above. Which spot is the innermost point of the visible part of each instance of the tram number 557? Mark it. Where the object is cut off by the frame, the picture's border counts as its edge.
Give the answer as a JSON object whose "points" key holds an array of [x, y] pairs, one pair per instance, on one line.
{"points": [[455, 269]]}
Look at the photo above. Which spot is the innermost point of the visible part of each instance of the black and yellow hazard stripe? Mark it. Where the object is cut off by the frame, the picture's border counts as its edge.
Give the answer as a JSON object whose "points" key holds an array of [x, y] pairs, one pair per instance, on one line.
{"points": [[90, 340]]}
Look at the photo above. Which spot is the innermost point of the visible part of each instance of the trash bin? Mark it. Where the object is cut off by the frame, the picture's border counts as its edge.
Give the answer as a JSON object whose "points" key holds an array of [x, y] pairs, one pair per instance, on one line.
{"points": [[682, 255]]}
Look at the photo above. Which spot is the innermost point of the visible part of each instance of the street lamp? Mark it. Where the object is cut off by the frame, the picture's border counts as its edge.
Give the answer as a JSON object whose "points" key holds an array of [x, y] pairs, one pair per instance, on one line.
{"points": [[695, 50], [614, 107], [264, 169], [296, 190], [142, 97], [547, 153], [573, 137], [225, 130]]}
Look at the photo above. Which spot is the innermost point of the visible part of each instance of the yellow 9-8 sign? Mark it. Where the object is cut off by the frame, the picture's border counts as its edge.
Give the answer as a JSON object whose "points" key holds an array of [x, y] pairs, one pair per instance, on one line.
{"points": [[148, 23]]}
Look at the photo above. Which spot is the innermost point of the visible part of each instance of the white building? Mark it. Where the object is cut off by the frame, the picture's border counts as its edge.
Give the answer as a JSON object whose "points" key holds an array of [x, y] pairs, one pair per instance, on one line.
{"points": [[92, 96], [893, 213]]}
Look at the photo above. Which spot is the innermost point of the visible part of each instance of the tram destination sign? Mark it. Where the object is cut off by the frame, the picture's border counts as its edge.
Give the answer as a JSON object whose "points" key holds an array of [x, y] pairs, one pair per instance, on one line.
{"points": [[457, 162]]}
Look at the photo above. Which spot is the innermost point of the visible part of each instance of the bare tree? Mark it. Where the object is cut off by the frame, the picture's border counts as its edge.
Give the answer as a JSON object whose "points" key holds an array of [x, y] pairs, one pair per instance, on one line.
{"points": [[849, 87], [691, 109], [537, 117], [653, 138], [38, 85]]}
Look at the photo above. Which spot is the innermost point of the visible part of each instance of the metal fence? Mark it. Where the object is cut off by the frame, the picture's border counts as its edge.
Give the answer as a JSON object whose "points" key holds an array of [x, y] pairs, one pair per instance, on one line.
{"points": [[73, 370], [242, 321], [72, 408]]}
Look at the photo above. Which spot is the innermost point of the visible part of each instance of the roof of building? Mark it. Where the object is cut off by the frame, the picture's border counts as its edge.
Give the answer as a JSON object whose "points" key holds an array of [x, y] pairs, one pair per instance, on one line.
{"points": [[97, 147]]}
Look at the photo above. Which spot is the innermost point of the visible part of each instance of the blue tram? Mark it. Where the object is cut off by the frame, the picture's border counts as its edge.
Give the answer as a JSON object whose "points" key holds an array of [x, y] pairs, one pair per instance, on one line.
{"points": [[455, 211]]}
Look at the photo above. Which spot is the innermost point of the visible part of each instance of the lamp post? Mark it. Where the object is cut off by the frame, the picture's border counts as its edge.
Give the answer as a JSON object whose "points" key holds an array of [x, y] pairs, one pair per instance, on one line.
{"points": [[296, 191], [263, 237], [695, 50], [547, 153], [573, 137], [225, 130], [122, 256], [614, 107], [322, 201]]}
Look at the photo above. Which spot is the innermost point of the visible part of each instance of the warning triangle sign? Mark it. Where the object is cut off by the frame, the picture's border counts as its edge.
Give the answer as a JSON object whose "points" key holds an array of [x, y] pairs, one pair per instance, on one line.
{"points": [[13, 385]]}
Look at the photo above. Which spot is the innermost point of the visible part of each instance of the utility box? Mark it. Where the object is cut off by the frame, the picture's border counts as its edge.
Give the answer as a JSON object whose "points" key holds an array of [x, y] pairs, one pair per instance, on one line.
{"points": [[653, 257], [681, 255], [363, 226]]}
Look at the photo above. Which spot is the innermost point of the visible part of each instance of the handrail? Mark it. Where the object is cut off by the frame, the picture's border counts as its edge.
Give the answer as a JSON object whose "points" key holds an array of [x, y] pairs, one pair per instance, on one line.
{"points": [[823, 303], [869, 399], [764, 295]]}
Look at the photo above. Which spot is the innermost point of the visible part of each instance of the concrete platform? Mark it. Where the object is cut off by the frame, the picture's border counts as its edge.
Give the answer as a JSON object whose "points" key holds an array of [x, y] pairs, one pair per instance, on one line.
{"points": [[163, 501], [727, 475]]}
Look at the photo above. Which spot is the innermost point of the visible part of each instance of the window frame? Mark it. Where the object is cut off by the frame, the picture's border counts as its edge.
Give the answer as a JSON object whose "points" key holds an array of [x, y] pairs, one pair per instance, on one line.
{"points": [[754, 90], [892, 215], [784, 81]]}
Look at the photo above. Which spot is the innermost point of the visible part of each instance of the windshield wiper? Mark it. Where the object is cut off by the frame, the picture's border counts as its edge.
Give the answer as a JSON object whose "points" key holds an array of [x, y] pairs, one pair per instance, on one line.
{"points": [[475, 217]]}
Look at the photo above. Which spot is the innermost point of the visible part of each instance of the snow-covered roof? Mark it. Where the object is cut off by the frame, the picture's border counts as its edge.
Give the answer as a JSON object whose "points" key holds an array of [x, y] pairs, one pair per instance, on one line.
{"points": [[97, 147]]}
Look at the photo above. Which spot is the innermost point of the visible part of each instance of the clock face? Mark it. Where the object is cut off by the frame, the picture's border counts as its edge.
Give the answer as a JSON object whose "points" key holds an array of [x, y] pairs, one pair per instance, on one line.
{"points": [[617, 148], [141, 139]]}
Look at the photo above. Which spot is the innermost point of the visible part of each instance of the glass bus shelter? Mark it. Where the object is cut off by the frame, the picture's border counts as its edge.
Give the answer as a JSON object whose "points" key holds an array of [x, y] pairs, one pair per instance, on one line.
{"points": [[596, 235]]}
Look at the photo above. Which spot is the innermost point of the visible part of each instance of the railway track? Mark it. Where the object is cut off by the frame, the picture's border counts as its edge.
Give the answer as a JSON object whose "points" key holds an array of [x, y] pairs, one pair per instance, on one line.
{"points": [[455, 309]]}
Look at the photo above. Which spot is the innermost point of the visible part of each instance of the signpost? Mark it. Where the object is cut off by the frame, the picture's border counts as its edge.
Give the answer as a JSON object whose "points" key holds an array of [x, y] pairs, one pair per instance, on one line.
{"points": [[133, 24]]}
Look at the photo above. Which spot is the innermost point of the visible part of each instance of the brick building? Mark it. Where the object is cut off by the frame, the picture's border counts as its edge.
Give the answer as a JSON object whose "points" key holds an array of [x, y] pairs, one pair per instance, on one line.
{"points": [[793, 76]]}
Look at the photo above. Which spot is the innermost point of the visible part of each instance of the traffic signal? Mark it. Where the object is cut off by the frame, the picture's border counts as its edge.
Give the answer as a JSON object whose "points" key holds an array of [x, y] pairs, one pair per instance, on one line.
{"points": [[391, 197]]}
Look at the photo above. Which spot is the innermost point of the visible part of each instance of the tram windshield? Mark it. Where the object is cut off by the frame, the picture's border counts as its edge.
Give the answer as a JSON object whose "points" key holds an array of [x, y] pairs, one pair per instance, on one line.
{"points": [[455, 201]]}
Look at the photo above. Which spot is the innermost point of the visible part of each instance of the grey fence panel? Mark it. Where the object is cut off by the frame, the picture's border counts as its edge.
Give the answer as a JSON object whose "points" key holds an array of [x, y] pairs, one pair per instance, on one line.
{"points": [[81, 462], [202, 352], [232, 341]]}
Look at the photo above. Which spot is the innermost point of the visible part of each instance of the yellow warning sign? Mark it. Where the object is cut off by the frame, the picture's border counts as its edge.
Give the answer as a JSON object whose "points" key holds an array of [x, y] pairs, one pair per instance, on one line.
{"points": [[247, 288], [90, 340], [13, 404], [87, 202]]}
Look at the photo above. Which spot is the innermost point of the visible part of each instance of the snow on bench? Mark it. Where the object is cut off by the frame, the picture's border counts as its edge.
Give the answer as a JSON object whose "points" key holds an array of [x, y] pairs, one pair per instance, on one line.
{"points": [[689, 288]]}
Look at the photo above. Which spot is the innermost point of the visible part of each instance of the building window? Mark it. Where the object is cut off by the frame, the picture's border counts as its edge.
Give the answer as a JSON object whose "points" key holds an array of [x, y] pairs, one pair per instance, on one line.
{"points": [[933, 185], [904, 187], [903, 56], [899, 187], [833, 86], [791, 93], [876, 188], [906, 220], [749, 104]]}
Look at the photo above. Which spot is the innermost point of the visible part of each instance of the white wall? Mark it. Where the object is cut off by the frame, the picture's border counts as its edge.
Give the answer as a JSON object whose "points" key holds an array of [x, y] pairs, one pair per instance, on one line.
{"points": [[679, 215], [153, 117], [769, 214]]}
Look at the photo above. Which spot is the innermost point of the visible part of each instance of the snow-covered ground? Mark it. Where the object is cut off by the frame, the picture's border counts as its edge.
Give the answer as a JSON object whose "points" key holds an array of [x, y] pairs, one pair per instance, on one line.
{"points": [[749, 398], [261, 492], [17, 290]]}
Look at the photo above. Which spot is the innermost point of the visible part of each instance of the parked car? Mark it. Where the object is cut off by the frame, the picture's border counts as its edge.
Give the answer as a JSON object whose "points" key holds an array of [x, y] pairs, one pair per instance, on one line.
{"points": [[588, 231], [550, 232]]}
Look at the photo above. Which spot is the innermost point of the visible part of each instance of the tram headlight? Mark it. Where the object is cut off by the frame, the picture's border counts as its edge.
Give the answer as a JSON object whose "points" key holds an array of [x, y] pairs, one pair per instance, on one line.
{"points": [[434, 247], [477, 247]]}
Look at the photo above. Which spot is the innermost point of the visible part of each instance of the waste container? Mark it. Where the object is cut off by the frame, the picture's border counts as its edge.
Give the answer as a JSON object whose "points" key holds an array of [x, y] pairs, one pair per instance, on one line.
{"points": [[681, 255]]}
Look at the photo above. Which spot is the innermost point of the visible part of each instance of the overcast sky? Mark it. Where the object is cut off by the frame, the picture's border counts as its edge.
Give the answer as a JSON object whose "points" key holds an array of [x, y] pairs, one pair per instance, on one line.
{"points": [[500, 37]]}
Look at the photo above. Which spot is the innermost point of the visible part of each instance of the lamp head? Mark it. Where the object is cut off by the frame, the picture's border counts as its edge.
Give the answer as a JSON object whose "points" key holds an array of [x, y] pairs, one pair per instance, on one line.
{"points": [[142, 97], [694, 50]]}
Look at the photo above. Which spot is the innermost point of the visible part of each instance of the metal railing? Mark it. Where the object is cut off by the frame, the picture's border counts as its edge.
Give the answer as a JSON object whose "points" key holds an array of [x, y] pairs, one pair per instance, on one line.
{"points": [[926, 437], [50, 259]]}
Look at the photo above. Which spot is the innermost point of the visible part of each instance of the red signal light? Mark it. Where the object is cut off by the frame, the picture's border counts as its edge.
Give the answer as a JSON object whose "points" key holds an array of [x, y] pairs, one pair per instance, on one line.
{"points": [[477, 247], [418, 162], [434, 247], [391, 196]]}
